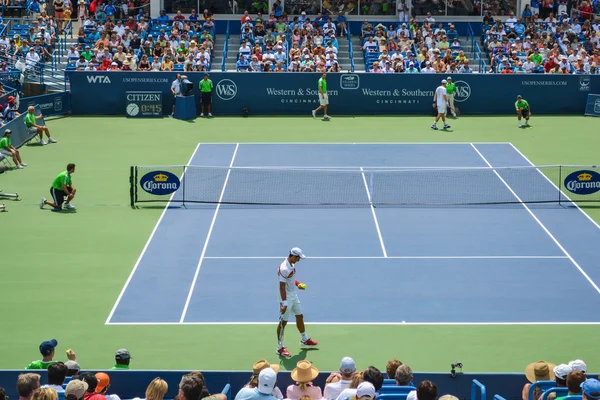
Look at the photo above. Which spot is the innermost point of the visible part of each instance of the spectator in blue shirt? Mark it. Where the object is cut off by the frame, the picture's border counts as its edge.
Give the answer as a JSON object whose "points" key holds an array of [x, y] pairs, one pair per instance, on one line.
{"points": [[35, 7], [194, 17], [139, 16], [101, 16], [527, 14], [519, 26], [277, 9], [110, 10], [242, 64], [332, 39], [411, 69], [341, 23], [163, 18]]}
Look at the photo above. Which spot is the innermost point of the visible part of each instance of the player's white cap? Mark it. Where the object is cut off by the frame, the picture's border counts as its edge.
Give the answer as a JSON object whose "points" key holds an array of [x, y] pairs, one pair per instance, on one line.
{"points": [[449, 78], [297, 251], [266, 381], [444, 81]]}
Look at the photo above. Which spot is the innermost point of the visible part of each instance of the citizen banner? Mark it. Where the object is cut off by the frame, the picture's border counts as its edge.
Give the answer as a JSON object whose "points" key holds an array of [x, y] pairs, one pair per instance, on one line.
{"points": [[143, 104]]}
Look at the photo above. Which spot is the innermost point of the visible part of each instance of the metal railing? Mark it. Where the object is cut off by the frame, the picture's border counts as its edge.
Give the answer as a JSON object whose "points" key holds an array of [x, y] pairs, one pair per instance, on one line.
{"points": [[350, 51], [225, 49], [478, 387]]}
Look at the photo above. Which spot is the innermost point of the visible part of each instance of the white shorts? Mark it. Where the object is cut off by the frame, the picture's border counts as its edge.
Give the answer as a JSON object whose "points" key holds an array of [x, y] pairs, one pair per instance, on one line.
{"points": [[6, 152], [293, 307], [441, 108], [323, 99], [451, 99], [32, 129]]}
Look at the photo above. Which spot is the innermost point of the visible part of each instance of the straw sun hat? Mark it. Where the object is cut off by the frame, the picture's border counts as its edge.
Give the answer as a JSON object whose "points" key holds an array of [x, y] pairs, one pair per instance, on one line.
{"points": [[304, 372], [540, 371]]}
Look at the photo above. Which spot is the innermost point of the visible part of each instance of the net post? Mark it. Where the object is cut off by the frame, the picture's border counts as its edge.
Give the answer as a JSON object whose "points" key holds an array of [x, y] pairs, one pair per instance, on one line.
{"points": [[559, 184], [183, 184], [131, 186]]}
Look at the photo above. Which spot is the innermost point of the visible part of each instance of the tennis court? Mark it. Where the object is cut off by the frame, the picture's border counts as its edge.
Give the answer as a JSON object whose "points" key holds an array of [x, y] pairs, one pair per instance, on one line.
{"points": [[484, 264]]}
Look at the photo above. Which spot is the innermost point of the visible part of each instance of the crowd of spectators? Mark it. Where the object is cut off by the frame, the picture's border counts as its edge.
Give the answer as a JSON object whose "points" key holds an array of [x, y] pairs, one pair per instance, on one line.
{"points": [[429, 47], [183, 43], [349, 383], [542, 42], [299, 45]]}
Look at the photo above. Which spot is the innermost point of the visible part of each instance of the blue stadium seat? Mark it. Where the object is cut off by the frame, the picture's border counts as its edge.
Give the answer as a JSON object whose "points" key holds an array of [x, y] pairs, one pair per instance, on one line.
{"points": [[385, 389], [389, 382], [543, 385], [392, 396], [558, 391], [178, 67]]}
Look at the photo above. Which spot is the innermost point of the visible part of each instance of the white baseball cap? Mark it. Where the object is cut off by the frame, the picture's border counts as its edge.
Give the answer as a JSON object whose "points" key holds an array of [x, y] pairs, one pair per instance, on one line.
{"points": [[297, 251], [266, 381], [561, 371], [444, 81], [578, 365], [365, 389], [347, 366]]}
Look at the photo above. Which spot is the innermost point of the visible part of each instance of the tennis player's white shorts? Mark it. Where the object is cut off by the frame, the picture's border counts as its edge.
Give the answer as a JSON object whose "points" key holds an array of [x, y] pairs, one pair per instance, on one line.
{"points": [[6, 152], [441, 107], [451, 99], [323, 99], [292, 308]]}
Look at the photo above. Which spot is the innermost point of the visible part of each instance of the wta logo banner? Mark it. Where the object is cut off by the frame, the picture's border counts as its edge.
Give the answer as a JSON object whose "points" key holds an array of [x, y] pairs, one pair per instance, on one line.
{"points": [[583, 182], [160, 183]]}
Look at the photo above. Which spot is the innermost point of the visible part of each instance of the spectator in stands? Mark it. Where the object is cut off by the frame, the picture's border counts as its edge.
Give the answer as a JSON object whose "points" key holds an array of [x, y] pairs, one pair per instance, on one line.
{"points": [[76, 390], [92, 383], [365, 391], [33, 127], [574, 381], [336, 382], [426, 390], [27, 384], [47, 347], [259, 366], [372, 375], [156, 390], [122, 356], [104, 385], [73, 367], [242, 64], [9, 150], [578, 365], [265, 388], [45, 393], [193, 387], [57, 372], [537, 371], [590, 389], [303, 375], [403, 375], [2, 393]]}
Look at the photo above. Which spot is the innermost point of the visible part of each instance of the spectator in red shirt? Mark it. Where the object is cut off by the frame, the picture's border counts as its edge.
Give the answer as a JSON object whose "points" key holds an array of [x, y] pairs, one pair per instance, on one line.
{"points": [[92, 382], [132, 24], [586, 10], [550, 65], [179, 16], [245, 18]]}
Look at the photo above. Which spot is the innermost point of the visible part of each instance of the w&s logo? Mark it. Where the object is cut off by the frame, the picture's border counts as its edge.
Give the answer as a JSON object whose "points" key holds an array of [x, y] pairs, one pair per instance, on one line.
{"points": [[98, 79], [462, 92], [226, 89]]}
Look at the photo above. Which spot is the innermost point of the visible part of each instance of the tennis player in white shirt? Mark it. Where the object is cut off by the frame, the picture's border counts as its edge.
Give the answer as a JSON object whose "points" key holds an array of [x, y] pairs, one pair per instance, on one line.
{"points": [[289, 302], [440, 101]]}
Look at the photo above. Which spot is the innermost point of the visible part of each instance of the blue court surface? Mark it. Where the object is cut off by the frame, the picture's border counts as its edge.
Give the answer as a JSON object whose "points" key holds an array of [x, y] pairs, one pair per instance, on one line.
{"points": [[495, 264]]}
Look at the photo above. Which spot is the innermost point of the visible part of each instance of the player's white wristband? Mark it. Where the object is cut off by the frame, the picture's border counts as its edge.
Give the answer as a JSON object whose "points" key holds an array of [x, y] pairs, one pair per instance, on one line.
{"points": [[284, 303]]}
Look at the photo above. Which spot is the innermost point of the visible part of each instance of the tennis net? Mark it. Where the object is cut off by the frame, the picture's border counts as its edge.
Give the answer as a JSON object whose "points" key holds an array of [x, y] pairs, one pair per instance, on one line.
{"points": [[355, 186]]}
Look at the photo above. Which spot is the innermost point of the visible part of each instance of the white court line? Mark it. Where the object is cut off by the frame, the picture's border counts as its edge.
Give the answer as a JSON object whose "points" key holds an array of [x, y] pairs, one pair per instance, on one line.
{"points": [[553, 184], [137, 263], [367, 323], [210, 229], [397, 257], [357, 143], [566, 253], [373, 212]]}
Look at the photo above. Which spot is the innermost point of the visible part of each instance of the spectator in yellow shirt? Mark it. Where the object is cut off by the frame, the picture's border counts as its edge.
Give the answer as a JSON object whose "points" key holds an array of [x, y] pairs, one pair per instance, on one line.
{"points": [[167, 64]]}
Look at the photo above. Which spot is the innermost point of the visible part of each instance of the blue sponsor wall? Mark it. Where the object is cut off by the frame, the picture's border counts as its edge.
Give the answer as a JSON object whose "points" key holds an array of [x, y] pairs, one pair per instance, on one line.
{"points": [[102, 93], [130, 384], [57, 103]]}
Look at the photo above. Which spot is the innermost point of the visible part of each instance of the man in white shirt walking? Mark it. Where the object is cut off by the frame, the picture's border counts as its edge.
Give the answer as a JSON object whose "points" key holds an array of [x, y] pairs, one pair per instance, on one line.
{"points": [[289, 302], [440, 101], [333, 389]]}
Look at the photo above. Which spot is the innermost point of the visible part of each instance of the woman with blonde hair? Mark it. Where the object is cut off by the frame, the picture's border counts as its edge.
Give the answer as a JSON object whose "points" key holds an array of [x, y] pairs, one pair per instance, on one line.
{"points": [[303, 375], [46, 393], [157, 389]]}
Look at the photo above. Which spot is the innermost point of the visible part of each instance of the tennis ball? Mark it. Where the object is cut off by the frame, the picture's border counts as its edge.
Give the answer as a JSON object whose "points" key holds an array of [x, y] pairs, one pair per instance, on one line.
{"points": [[302, 286]]}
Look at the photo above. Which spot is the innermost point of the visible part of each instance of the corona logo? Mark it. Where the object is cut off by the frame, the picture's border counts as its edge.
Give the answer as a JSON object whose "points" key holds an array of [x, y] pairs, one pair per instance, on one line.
{"points": [[583, 182], [161, 178]]}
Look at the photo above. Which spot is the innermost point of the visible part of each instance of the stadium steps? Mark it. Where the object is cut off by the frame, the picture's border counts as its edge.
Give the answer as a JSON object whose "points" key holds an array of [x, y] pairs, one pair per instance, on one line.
{"points": [[467, 46], [218, 50], [359, 59]]}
